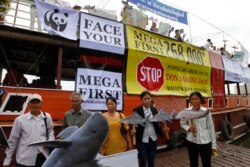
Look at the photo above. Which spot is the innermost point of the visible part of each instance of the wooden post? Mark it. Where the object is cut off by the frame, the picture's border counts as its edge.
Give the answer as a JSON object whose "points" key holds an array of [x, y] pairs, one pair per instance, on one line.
{"points": [[17, 6], [59, 68], [1, 72]]}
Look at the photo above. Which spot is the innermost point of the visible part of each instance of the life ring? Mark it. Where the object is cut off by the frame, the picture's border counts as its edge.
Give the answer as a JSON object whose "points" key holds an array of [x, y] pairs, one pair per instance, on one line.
{"points": [[227, 130], [176, 140], [247, 119]]}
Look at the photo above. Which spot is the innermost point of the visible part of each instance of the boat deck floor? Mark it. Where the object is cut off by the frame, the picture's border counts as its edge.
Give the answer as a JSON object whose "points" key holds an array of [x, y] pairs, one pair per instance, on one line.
{"points": [[229, 156]]}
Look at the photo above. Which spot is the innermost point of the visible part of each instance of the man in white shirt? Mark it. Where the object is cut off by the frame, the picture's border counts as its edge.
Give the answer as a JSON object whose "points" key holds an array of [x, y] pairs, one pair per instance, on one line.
{"points": [[30, 127], [208, 45]]}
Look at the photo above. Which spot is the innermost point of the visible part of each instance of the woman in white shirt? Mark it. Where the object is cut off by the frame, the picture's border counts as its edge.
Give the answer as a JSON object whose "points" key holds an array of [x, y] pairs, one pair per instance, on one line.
{"points": [[201, 139]]}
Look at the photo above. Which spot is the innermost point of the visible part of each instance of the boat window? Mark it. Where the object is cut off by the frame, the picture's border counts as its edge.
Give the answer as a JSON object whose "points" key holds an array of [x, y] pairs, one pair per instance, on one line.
{"points": [[242, 89], [226, 89], [248, 88], [68, 85], [14, 104], [233, 89], [226, 102], [210, 103]]}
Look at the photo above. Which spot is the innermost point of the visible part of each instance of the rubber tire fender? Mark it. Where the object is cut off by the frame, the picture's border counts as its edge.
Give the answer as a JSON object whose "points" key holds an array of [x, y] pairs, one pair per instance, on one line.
{"points": [[247, 119], [227, 130], [177, 139]]}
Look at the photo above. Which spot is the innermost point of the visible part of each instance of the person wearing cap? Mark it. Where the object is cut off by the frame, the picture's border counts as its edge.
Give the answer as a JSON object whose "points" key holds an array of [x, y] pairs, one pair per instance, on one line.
{"points": [[76, 116], [208, 45], [28, 128]]}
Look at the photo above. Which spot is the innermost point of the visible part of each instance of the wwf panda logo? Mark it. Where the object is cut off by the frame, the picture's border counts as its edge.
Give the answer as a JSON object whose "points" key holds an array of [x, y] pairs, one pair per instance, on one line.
{"points": [[56, 20]]}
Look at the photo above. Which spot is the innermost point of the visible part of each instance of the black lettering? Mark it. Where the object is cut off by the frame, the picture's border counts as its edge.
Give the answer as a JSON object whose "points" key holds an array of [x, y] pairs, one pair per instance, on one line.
{"points": [[180, 52], [116, 84], [105, 28], [87, 34], [106, 82], [98, 27], [108, 93], [174, 52], [137, 44], [99, 93], [88, 23], [97, 80], [117, 30], [84, 81], [108, 39], [167, 48], [97, 37], [117, 41]]}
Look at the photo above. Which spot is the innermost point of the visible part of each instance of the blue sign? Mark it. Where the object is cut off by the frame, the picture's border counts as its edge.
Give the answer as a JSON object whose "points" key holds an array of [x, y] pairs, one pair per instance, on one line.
{"points": [[162, 10]]}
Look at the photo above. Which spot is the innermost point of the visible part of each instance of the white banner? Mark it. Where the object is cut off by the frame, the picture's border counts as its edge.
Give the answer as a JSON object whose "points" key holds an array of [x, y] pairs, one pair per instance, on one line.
{"points": [[101, 34], [233, 70], [96, 86], [246, 56], [246, 76], [58, 20], [109, 14]]}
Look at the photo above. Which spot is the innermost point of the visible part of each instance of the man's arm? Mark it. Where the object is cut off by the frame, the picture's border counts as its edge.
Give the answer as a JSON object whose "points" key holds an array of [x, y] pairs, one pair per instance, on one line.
{"points": [[65, 124], [13, 142], [50, 127]]}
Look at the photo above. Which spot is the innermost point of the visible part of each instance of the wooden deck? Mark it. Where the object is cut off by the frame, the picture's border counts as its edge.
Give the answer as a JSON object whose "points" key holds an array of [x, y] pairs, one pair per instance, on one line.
{"points": [[229, 156]]}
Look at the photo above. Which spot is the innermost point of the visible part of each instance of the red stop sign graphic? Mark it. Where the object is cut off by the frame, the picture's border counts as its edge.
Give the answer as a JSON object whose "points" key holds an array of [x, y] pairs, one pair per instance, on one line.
{"points": [[150, 73]]}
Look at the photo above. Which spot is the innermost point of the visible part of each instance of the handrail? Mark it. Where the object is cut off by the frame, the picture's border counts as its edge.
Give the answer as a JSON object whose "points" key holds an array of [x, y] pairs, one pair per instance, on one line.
{"points": [[229, 110], [19, 15]]}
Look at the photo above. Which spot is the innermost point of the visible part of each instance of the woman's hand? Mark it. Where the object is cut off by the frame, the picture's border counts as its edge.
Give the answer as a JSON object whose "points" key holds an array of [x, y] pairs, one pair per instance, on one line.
{"points": [[101, 151], [166, 131], [214, 153], [130, 146], [133, 132], [192, 129]]}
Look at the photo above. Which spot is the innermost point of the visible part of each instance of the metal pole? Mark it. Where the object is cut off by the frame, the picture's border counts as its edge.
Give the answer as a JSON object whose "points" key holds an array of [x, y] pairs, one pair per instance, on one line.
{"points": [[59, 68], [1, 73], [17, 5], [190, 32]]}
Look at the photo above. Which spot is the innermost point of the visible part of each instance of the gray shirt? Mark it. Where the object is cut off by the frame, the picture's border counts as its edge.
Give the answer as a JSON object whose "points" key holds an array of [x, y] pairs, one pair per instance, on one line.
{"points": [[72, 118]]}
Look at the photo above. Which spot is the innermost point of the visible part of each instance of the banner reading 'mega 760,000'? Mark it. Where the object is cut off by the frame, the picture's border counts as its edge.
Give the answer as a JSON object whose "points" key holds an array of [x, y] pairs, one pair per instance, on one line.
{"points": [[166, 73]]}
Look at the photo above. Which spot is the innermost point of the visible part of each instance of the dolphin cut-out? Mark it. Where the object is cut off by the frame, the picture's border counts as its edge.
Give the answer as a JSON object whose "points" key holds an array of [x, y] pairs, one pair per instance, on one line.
{"points": [[162, 116], [79, 146]]}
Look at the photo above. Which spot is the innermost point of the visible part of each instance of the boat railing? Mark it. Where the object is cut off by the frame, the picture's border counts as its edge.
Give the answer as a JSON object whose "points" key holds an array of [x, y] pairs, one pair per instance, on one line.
{"points": [[19, 15]]}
